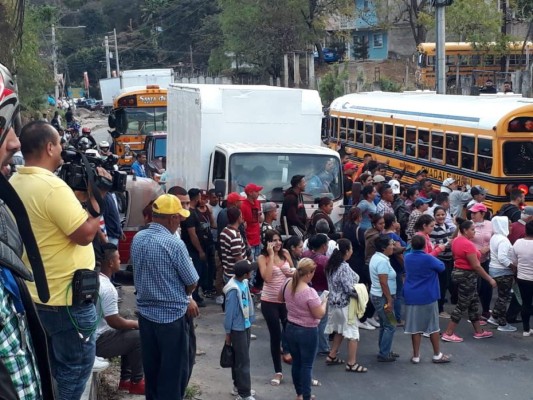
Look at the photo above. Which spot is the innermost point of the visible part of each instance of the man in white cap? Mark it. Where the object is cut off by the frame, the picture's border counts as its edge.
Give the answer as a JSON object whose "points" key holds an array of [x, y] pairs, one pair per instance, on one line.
{"points": [[448, 185]]}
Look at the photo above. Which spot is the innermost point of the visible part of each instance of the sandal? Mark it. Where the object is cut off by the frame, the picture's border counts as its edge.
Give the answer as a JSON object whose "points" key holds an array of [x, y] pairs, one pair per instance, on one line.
{"points": [[278, 378], [415, 360], [315, 382], [356, 368], [334, 361], [443, 359]]}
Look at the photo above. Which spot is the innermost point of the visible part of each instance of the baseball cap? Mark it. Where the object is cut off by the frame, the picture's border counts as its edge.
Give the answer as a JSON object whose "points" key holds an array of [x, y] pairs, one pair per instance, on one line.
{"points": [[349, 165], [395, 186], [168, 204], [234, 197], [447, 182], [378, 178], [252, 187], [243, 267], [528, 210], [421, 200], [269, 206], [478, 207]]}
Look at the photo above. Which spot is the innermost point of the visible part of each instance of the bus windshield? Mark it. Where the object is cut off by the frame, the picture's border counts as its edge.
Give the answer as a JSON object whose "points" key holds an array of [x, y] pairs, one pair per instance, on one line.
{"points": [[274, 173], [518, 158], [135, 121]]}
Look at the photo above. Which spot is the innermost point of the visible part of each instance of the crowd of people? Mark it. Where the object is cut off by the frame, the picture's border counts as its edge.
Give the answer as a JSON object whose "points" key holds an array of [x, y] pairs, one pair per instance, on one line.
{"points": [[402, 253]]}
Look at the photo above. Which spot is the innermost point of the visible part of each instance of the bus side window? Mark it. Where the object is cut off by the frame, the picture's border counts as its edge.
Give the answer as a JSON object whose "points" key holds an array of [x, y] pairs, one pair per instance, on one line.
{"points": [[343, 128], [423, 144], [437, 141], [351, 130], [378, 135], [399, 138], [368, 133], [410, 142], [333, 128], [467, 152], [388, 139], [484, 158], [360, 131], [452, 146]]}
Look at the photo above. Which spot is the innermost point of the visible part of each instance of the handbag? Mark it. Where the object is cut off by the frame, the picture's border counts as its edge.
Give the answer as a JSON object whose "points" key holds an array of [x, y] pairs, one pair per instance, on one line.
{"points": [[227, 356]]}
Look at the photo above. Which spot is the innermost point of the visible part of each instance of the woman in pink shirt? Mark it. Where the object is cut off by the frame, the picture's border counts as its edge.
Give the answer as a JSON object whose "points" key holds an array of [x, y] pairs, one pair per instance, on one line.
{"points": [[305, 309], [424, 226], [275, 265], [482, 241]]}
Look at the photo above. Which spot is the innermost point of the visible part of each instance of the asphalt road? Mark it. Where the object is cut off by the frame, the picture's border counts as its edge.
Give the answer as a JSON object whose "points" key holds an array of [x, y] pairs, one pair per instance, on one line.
{"points": [[495, 368]]}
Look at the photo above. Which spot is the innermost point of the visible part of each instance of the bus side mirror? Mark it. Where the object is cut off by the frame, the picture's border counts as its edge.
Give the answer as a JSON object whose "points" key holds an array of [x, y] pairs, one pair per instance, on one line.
{"points": [[220, 188], [111, 121]]}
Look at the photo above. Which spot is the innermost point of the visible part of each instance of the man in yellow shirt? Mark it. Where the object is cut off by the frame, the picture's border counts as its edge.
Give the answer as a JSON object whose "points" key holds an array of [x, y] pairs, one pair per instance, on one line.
{"points": [[64, 232]]}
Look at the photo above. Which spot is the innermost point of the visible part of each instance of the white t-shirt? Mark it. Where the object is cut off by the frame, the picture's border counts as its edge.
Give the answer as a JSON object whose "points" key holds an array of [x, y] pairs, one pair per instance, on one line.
{"points": [[522, 256], [107, 304]]}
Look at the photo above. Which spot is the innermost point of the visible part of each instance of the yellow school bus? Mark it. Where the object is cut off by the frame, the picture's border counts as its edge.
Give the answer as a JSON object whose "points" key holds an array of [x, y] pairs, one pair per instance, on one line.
{"points": [[463, 56], [485, 140], [137, 112]]}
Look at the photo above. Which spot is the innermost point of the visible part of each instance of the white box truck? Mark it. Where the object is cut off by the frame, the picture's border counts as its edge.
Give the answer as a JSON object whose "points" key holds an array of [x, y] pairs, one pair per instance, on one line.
{"points": [[109, 89], [162, 77], [250, 134]]}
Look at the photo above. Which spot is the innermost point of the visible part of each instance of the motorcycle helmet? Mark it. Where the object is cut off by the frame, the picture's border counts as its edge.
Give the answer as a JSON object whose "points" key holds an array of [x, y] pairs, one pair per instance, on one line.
{"points": [[84, 144], [9, 105], [86, 131], [104, 145]]}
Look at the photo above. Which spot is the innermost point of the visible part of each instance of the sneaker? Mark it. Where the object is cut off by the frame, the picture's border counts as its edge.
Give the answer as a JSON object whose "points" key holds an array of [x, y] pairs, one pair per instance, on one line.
{"points": [[137, 387], [482, 322], [483, 335], [507, 328], [453, 338], [492, 321], [245, 398], [100, 364], [219, 300], [253, 337], [235, 391], [444, 315], [373, 322], [124, 385], [366, 325], [527, 333]]}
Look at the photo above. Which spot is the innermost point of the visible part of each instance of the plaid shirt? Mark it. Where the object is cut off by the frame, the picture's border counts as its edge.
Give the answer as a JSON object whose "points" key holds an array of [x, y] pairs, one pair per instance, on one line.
{"points": [[162, 269], [16, 353]]}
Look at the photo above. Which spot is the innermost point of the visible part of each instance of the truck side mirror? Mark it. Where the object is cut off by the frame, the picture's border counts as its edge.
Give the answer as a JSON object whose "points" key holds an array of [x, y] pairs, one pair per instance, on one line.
{"points": [[111, 121], [220, 187]]}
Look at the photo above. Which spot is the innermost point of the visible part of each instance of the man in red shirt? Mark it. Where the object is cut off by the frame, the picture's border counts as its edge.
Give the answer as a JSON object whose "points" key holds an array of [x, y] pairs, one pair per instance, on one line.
{"points": [[252, 216]]}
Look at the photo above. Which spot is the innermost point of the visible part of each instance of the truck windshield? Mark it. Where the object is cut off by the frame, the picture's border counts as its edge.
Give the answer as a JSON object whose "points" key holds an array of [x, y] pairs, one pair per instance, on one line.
{"points": [[274, 173], [518, 158], [135, 121]]}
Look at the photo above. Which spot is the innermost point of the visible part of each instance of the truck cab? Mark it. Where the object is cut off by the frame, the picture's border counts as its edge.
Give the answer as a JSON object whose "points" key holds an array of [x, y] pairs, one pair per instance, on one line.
{"points": [[273, 166]]}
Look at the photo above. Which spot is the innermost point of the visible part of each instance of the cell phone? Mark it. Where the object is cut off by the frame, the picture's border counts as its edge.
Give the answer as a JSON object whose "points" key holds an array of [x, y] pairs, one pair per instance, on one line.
{"points": [[324, 295]]}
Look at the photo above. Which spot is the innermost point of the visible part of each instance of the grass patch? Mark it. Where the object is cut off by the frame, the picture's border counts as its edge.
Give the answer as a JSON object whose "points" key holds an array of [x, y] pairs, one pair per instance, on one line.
{"points": [[192, 392]]}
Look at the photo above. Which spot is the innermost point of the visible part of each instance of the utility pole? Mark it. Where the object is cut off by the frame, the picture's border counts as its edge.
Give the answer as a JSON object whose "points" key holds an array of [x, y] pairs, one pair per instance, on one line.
{"points": [[192, 63], [116, 52], [54, 61], [107, 60], [441, 42]]}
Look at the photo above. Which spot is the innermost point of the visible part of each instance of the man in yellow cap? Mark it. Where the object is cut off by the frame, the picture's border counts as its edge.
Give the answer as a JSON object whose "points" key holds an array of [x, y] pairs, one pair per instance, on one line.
{"points": [[164, 280]]}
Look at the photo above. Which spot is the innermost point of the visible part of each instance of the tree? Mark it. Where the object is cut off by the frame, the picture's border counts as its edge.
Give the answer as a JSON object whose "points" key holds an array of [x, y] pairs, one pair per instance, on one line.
{"points": [[11, 25], [477, 21], [332, 85]]}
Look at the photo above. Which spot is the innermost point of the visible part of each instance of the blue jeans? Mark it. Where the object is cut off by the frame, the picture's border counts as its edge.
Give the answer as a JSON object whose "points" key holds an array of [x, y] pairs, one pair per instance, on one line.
{"points": [[303, 343], [398, 301], [323, 339], [165, 353], [71, 357], [386, 329]]}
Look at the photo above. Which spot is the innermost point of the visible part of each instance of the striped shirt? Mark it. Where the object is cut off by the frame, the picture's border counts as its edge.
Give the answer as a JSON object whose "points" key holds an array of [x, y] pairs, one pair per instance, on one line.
{"points": [[232, 249], [162, 269], [441, 235], [384, 207], [272, 288]]}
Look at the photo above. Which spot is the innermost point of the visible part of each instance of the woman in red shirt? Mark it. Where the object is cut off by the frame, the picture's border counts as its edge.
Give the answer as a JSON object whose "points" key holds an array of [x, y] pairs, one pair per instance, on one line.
{"points": [[466, 270]]}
